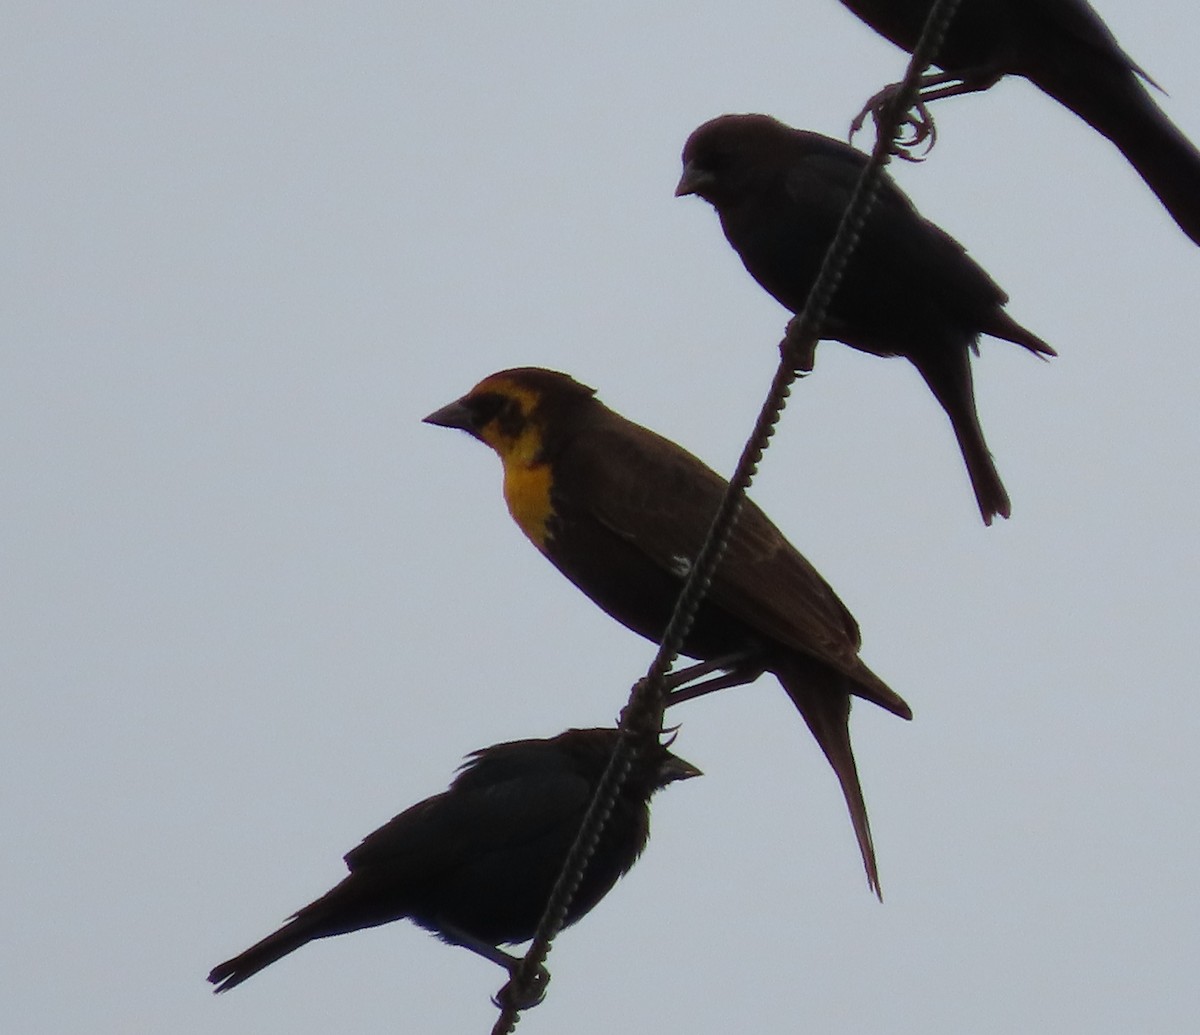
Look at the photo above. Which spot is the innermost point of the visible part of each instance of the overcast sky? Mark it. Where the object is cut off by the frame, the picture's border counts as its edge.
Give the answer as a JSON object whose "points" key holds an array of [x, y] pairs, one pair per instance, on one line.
{"points": [[253, 607]]}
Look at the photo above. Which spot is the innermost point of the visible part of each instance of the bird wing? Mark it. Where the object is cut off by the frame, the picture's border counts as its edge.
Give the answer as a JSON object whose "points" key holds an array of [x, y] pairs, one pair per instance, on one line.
{"points": [[660, 498], [903, 260], [467, 821]]}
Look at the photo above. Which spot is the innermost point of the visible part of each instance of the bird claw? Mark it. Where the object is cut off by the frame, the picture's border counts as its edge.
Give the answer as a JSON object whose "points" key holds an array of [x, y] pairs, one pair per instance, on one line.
{"points": [[642, 717], [798, 353], [520, 995], [916, 128]]}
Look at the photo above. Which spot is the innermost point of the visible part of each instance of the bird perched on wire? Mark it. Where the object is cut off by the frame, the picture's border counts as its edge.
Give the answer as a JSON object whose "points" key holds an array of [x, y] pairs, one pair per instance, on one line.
{"points": [[622, 513], [1065, 49], [476, 864], [909, 289]]}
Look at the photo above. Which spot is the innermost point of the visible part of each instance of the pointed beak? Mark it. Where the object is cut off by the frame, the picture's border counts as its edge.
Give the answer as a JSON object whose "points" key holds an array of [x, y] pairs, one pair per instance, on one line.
{"points": [[675, 768], [692, 181], [452, 415]]}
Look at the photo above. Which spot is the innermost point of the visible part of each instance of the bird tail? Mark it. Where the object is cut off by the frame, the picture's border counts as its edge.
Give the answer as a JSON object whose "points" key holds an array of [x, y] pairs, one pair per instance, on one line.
{"points": [[287, 939], [949, 378], [824, 701], [871, 688], [1116, 104]]}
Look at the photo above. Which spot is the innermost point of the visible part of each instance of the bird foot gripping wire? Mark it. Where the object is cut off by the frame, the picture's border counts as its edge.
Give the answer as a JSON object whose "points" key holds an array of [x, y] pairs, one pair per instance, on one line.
{"points": [[526, 985], [642, 716], [521, 993], [915, 128], [798, 350]]}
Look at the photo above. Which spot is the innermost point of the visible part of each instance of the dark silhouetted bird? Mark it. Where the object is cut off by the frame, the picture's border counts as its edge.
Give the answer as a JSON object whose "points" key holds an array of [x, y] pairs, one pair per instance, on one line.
{"points": [[1066, 50], [476, 864], [622, 512], [909, 290]]}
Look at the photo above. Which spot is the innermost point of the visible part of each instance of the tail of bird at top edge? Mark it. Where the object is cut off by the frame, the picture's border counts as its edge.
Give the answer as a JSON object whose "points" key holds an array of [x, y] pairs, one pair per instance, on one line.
{"points": [[1117, 105]]}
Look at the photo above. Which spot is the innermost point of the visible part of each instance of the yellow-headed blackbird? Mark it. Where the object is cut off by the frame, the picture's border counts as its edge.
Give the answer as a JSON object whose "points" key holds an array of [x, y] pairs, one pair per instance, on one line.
{"points": [[1065, 49], [476, 864], [909, 289], [622, 513]]}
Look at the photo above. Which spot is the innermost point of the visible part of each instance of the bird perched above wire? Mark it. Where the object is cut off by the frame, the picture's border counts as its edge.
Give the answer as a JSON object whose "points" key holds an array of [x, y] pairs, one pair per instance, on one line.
{"points": [[1064, 48], [910, 289], [476, 864], [622, 512]]}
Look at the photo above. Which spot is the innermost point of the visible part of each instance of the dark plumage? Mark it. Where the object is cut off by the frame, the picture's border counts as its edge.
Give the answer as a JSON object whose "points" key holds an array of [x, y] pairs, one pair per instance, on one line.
{"points": [[622, 511], [910, 289], [476, 864], [1066, 50]]}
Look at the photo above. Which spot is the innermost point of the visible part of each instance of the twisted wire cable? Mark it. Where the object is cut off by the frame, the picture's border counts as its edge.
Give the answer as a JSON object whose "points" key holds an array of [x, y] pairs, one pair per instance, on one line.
{"points": [[643, 714]]}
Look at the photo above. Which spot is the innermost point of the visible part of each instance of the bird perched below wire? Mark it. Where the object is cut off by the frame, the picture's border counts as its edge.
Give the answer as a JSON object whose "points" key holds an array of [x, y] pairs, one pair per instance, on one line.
{"points": [[476, 864], [1065, 49], [622, 512], [909, 290]]}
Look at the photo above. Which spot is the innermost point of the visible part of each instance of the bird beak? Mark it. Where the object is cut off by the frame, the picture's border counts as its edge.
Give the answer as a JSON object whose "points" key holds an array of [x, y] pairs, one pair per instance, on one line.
{"points": [[675, 768], [692, 181], [452, 415]]}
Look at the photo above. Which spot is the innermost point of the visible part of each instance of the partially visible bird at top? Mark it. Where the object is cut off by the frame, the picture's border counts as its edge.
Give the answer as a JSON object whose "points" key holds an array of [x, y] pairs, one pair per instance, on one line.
{"points": [[909, 289], [1064, 48]]}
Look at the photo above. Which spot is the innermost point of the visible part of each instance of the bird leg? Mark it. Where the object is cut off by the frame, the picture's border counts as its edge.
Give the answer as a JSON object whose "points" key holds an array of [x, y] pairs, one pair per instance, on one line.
{"points": [[508, 994], [740, 668], [672, 680], [916, 127], [685, 675]]}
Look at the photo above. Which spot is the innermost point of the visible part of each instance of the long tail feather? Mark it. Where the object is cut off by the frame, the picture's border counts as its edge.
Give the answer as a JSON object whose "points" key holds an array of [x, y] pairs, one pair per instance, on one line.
{"points": [[826, 708], [949, 378], [1112, 100], [287, 939]]}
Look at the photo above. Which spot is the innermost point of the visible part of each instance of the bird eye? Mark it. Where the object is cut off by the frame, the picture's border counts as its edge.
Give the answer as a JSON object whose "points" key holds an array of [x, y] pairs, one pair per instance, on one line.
{"points": [[485, 409], [717, 162]]}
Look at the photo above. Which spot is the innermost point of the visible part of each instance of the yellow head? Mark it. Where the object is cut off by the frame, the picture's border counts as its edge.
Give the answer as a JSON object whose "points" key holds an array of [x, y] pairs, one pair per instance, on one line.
{"points": [[517, 413]]}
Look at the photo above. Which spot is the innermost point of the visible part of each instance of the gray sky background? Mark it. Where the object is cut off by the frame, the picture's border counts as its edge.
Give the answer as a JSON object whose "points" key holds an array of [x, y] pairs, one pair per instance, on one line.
{"points": [[253, 607]]}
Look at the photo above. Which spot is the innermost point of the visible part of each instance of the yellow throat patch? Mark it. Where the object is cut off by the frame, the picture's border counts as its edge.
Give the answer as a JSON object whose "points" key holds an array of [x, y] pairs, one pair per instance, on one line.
{"points": [[527, 477], [527, 493]]}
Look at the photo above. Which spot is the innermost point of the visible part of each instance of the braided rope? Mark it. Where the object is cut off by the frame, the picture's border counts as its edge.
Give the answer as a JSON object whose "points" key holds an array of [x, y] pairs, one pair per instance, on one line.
{"points": [[642, 716]]}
